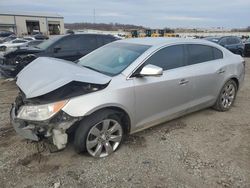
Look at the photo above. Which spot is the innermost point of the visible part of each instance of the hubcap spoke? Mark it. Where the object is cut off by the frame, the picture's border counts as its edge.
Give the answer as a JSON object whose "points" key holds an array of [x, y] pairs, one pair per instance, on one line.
{"points": [[230, 88], [108, 148], [96, 132], [115, 138], [231, 98], [114, 128], [98, 150], [92, 143], [105, 124]]}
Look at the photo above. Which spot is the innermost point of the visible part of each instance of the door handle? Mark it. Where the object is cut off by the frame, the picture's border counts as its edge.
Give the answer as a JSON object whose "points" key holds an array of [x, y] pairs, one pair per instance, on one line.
{"points": [[221, 71], [183, 82]]}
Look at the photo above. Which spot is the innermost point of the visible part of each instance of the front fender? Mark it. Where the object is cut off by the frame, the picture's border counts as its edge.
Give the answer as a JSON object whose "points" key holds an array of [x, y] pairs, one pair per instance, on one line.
{"points": [[84, 105]]}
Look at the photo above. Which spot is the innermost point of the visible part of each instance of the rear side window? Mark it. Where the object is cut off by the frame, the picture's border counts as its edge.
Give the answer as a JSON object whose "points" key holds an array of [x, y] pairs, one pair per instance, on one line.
{"points": [[168, 58], [199, 53], [217, 53]]}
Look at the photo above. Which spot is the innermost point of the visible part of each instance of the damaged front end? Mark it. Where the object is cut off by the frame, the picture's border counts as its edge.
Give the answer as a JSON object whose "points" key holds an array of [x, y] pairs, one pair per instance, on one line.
{"points": [[54, 125], [46, 86]]}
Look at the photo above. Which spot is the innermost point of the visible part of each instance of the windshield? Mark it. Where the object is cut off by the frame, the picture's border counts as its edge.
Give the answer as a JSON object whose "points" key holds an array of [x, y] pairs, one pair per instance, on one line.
{"points": [[44, 45], [113, 58]]}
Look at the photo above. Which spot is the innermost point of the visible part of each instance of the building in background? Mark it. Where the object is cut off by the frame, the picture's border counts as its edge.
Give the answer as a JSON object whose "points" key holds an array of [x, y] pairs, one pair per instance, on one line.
{"points": [[26, 23]]}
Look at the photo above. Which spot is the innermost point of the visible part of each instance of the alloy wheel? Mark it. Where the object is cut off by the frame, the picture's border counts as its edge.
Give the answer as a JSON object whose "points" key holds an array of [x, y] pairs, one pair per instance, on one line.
{"points": [[104, 138], [228, 95]]}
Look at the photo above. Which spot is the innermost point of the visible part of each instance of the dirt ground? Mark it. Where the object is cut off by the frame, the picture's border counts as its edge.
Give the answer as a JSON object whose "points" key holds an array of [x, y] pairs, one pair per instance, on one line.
{"points": [[203, 149]]}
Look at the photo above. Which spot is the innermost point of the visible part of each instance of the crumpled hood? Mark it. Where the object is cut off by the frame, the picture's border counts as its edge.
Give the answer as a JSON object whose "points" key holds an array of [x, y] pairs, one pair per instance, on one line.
{"points": [[47, 74], [22, 51]]}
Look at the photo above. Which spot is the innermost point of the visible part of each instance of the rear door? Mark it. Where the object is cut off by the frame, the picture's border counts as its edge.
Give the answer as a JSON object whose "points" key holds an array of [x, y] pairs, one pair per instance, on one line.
{"points": [[205, 63], [163, 97]]}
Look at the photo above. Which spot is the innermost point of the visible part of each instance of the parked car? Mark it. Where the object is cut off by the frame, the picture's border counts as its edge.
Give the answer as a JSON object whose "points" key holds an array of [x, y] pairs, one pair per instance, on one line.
{"points": [[69, 31], [4, 34], [13, 43], [40, 37], [122, 88], [33, 43], [247, 47], [29, 38], [68, 47], [19, 44], [7, 39], [234, 44]]}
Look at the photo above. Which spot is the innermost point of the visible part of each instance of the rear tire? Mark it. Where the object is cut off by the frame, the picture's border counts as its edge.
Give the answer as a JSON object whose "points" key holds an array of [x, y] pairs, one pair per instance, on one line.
{"points": [[99, 134], [226, 97]]}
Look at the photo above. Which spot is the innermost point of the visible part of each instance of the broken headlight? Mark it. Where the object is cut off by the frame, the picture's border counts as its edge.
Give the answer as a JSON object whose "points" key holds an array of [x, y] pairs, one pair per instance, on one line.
{"points": [[40, 112]]}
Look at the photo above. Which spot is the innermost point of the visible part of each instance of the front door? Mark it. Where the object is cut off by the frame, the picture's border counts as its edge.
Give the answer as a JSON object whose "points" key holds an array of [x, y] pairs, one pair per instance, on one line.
{"points": [[159, 98]]}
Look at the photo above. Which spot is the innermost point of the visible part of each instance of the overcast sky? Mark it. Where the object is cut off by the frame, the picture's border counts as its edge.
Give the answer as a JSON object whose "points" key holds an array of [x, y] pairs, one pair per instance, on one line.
{"points": [[151, 13]]}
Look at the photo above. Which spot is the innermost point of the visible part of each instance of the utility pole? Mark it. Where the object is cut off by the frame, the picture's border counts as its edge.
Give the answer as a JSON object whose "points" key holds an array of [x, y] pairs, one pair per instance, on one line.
{"points": [[94, 15]]}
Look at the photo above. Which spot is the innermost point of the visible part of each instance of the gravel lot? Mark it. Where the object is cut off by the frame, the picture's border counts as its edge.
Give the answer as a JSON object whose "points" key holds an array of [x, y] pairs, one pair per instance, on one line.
{"points": [[203, 149]]}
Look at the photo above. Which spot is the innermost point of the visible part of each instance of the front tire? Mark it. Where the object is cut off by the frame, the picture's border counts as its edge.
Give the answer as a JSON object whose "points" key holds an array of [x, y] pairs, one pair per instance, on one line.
{"points": [[99, 134], [226, 97]]}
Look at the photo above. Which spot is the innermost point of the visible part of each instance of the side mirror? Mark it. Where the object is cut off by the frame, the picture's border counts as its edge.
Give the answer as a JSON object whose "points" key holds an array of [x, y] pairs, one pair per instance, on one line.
{"points": [[57, 49], [151, 70]]}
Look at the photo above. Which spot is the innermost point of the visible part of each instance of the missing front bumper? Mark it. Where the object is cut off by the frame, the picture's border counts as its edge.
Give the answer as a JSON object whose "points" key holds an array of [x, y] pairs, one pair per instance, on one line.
{"points": [[55, 128]]}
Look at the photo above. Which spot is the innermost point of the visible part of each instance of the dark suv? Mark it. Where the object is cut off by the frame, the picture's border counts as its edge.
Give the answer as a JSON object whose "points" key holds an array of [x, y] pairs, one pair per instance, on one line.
{"points": [[247, 47], [67, 47], [232, 43]]}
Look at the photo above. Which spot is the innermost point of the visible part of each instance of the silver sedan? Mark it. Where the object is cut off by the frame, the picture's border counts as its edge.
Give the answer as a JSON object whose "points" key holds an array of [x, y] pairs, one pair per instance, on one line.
{"points": [[122, 88]]}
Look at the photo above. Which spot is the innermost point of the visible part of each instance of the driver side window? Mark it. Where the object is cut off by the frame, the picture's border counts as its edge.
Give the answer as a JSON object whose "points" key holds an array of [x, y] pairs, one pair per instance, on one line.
{"points": [[69, 43], [168, 58]]}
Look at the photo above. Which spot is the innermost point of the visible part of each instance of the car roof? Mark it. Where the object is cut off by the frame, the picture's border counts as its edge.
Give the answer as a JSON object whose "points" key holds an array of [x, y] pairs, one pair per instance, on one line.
{"points": [[220, 37], [158, 41], [92, 34]]}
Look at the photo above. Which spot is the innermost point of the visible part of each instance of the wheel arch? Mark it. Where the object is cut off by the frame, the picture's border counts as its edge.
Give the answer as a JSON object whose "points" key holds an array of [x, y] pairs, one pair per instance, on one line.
{"points": [[236, 80], [125, 117]]}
